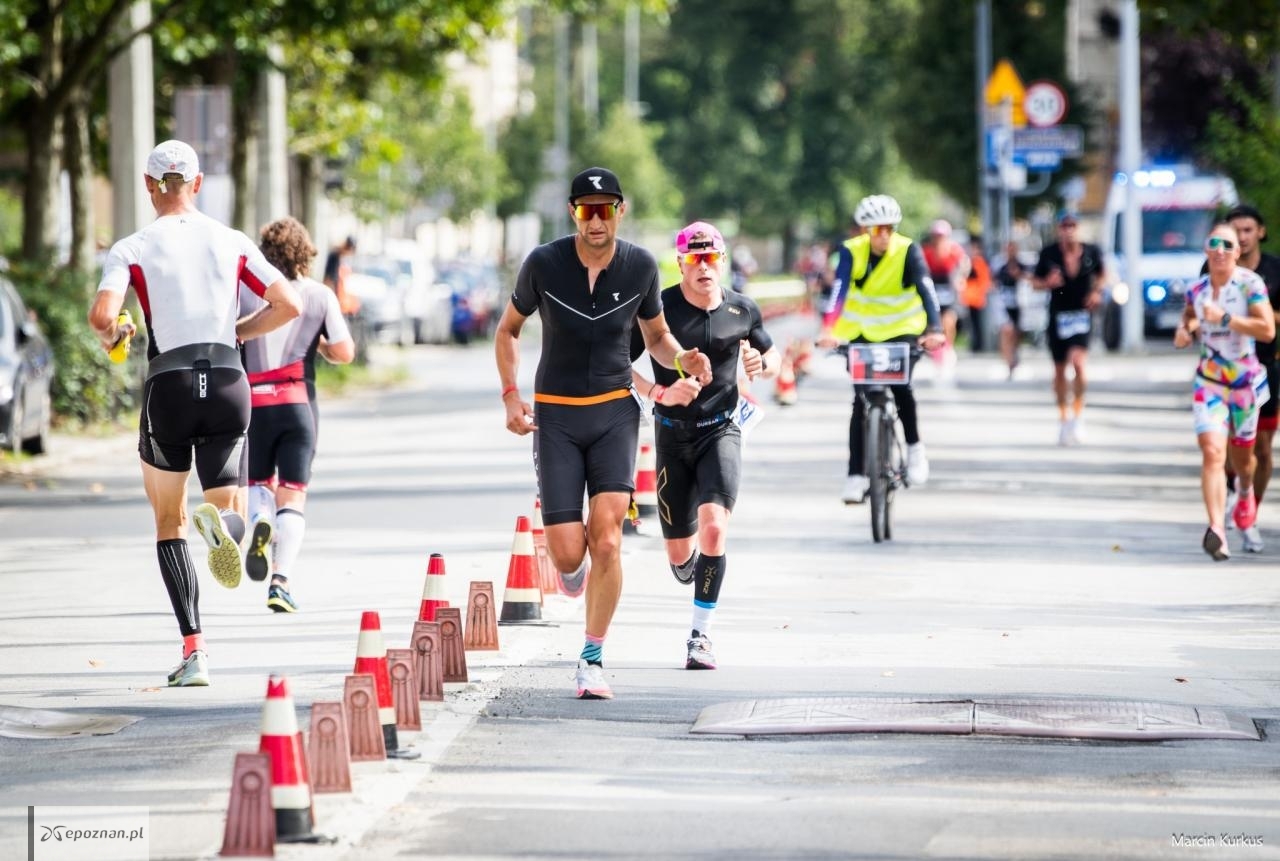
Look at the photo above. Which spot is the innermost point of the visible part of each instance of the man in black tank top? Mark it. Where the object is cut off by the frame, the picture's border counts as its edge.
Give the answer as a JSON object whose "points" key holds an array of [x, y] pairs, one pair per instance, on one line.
{"points": [[699, 445], [590, 289]]}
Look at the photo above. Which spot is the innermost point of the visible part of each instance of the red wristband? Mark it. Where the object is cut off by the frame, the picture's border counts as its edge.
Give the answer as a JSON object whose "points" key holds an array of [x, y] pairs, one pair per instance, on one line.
{"points": [[508, 390], [656, 393]]}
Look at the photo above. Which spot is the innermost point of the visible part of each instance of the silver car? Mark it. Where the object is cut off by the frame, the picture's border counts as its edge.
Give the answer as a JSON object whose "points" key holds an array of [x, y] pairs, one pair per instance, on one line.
{"points": [[26, 373]]}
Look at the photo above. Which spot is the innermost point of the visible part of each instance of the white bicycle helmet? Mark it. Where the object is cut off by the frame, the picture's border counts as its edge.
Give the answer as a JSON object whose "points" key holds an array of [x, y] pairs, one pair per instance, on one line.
{"points": [[877, 209]]}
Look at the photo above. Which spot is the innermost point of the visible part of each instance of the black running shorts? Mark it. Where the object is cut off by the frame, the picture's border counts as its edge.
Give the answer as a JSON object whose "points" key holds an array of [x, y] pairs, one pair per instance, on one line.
{"points": [[577, 448], [282, 442], [695, 467], [196, 397]]}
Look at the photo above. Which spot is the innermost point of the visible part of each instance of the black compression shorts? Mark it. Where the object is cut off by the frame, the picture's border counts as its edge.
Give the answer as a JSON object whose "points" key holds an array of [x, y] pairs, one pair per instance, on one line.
{"points": [[196, 397], [697, 466], [282, 442], [589, 447]]}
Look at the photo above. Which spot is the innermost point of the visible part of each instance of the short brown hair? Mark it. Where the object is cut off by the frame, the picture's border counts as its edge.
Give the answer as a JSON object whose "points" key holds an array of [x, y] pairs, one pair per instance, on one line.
{"points": [[287, 246]]}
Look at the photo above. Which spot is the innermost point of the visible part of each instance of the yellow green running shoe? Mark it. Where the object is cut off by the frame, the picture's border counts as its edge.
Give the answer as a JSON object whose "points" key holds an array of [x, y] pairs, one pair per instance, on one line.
{"points": [[224, 554]]}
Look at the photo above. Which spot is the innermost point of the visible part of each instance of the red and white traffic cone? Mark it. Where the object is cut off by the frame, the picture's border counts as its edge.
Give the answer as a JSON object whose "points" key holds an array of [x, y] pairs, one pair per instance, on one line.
{"points": [[433, 594], [522, 600], [371, 658], [290, 783]]}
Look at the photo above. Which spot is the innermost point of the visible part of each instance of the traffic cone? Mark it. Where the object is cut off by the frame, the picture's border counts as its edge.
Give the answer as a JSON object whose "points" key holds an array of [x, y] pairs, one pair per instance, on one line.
{"points": [[548, 576], [250, 831], [482, 620], [452, 653], [433, 594], [522, 600], [290, 784], [328, 750], [371, 658], [646, 495], [784, 391]]}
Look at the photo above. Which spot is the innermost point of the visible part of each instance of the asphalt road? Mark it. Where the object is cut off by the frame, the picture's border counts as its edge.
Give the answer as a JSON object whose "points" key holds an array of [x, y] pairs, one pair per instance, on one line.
{"points": [[1021, 570]]}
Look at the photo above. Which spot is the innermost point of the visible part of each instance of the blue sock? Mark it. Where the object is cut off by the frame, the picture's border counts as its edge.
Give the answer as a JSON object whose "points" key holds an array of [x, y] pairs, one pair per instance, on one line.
{"points": [[593, 650]]}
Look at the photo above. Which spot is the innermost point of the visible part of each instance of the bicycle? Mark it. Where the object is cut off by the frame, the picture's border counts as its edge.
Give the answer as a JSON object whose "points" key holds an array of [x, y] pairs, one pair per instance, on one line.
{"points": [[873, 368]]}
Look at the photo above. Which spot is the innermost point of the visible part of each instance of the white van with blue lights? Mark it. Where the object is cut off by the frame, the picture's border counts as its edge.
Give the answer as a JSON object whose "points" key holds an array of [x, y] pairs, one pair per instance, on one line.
{"points": [[1179, 206]]}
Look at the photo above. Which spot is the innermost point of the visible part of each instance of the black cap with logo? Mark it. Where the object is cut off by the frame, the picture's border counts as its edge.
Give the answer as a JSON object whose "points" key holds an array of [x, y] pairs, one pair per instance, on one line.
{"points": [[595, 180]]}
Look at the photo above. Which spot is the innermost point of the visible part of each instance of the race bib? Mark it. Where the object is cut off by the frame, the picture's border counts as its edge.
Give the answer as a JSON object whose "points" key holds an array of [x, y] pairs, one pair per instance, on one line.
{"points": [[1068, 324], [747, 415]]}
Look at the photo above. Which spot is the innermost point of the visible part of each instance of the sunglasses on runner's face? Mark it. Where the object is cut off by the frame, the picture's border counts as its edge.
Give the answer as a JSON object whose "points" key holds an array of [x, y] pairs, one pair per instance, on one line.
{"points": [[882, 229], [693, 258], [1217, 243], [588, 211]]}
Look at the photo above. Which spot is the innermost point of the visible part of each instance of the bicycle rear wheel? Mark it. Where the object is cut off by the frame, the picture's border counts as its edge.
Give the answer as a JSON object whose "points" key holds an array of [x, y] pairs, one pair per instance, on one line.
{"points": [[875, 462]]}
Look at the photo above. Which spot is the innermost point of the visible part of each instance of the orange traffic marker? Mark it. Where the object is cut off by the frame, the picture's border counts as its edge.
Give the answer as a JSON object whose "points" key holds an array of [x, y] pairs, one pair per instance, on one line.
{"points": [[404, 689], [453, 654], [433, 594], [646, 494], [481, 634], [360, 702], [428, 661], [290, 783], [522, 599], [328, 750], [251, 825], [371, 658]]}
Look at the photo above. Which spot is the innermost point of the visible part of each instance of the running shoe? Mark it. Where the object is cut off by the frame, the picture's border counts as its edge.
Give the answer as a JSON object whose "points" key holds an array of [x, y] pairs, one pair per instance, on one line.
{"points": [[279, 599], [700, 655], [684, 573], [193, 672], [257, 560], [917, 465], [1064, 433], [1245, 514], [575, 584], [1252, 540], [1215, 544], [225, 562], [855, 489], [1077, 430], [591, 683]]}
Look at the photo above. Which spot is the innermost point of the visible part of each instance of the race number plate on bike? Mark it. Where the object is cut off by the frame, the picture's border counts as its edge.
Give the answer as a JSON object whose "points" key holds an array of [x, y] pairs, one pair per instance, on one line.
{"points": [[880, 364]]}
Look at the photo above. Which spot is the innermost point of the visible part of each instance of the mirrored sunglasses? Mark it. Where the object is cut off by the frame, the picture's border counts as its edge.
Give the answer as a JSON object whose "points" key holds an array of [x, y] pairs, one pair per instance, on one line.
{"points": [[1217, 243], [588, 211], [693, 258]]}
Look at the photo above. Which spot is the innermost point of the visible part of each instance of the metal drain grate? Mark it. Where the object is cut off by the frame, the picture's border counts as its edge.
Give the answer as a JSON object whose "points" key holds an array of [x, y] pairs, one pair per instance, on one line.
{"points": [[1132, 720]]}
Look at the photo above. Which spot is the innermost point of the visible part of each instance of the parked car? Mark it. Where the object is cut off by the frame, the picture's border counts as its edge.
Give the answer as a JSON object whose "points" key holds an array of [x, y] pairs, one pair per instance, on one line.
{"points": [[26, 372], [476, 290], [426, 303]]}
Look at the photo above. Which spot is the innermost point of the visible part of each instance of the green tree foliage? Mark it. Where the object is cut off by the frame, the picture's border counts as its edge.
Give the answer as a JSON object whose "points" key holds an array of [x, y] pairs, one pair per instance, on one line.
{"points": [[934, 113], [628, 142], [1248, 150]]}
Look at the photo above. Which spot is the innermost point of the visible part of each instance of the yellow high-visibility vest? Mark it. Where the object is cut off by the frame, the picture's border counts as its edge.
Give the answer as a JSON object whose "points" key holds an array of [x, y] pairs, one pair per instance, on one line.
{"points": [[882, 308]]}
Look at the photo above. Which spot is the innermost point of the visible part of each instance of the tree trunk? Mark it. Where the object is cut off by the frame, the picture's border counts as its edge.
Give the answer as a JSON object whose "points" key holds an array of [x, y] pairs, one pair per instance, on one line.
{"points": [[39, 201], [80, 170], [244, 135]]}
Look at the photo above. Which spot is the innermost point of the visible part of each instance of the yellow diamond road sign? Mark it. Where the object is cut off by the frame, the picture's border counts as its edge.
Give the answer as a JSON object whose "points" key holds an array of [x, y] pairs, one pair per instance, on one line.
{"points": [[1004, 83]]}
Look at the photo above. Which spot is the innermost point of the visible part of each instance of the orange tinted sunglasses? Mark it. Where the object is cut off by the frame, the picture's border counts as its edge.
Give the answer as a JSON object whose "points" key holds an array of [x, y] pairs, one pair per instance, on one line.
{"points": [[693, 258], [588, 211]]}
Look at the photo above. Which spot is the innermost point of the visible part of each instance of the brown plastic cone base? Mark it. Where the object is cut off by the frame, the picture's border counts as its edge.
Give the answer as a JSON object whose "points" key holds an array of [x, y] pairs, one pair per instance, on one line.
{"points": [[404, 689], [428, 660], [482, 627], [452, 651], [360, 701], [251, 823], [329, 750]]}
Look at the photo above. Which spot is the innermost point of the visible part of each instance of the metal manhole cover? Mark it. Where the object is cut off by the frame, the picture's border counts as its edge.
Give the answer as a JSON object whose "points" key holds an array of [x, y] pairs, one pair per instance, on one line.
{"points": [[1050, 718]]}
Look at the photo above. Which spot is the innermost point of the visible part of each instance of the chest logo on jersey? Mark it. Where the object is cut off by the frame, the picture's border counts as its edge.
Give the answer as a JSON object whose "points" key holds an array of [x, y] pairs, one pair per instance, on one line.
{"points": [[733, 310], [615, 297]]}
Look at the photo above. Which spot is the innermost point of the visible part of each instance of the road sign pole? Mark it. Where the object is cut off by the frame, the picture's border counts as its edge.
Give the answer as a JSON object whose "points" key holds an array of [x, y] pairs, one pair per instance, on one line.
{"points": [[1130, 157], [982, 39]]}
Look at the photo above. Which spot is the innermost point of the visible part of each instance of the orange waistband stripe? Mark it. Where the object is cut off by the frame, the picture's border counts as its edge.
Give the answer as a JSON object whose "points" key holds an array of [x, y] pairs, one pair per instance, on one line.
{"points": [[582, 402]]}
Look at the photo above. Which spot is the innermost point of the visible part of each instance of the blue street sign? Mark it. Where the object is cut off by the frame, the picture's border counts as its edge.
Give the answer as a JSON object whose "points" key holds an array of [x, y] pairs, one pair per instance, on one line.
{"points": [[1068, 141], [1039, 159]]}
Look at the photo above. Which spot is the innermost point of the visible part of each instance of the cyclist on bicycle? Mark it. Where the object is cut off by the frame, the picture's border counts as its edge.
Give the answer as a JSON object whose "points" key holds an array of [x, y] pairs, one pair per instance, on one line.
{"points": [[882, 292]]}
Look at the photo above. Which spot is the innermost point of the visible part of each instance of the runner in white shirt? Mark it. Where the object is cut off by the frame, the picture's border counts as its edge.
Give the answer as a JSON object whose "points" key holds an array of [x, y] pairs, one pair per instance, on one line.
{"points": [[285, 423], [185, 269]]}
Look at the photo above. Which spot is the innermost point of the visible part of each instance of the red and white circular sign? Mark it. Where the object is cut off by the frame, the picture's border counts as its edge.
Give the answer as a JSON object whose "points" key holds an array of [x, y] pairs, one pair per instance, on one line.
{"points": [[1045, 104]]}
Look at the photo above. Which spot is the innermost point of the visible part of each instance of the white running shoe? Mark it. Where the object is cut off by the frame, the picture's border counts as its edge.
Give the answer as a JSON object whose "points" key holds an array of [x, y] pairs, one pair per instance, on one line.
{"points": [[1232, 499], [225, 562], [1077, 430], [1252, 540], [855, 489], [700, 656], [917, 465], [193, 672], [1064, 433], [591, 682]]}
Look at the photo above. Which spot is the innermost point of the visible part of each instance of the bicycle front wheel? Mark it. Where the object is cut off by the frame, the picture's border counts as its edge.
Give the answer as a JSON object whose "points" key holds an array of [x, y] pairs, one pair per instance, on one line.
{"points": [[876, 463]]}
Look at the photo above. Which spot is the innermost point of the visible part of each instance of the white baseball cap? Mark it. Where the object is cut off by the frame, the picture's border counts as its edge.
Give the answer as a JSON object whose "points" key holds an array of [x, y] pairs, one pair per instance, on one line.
{"points": [[173, 156]]}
